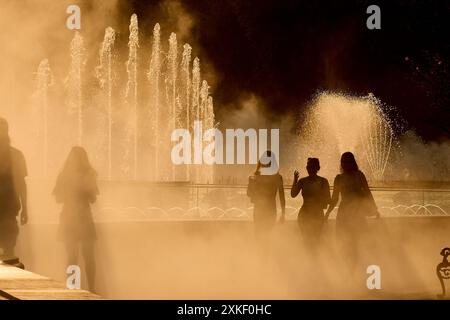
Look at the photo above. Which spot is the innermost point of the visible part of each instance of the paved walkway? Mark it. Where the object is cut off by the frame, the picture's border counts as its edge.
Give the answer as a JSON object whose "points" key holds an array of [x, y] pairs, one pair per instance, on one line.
{"points": [[18, 284]]}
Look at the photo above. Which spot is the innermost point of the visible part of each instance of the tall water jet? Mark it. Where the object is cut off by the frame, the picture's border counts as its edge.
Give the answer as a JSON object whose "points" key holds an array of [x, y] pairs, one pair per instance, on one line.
{"points": [[43, 80], [338, 123], [132, 86], [209, 124], [186, 82], [204, 91], [104, 75], [74, 82], [196, 89], [176, 96], [171, 87], [195, 107], [186, 90], [153, 75]]}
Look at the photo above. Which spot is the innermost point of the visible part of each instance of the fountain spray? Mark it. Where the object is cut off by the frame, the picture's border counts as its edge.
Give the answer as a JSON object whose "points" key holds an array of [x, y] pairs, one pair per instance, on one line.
{"points": [[104, 75], [132, 66], [153, 76], [186, 84], [43, 79], [74, 82], [171, 81]]}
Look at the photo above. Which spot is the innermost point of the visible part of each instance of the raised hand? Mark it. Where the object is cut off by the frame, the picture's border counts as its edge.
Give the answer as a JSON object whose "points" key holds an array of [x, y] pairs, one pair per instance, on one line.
{"points": [[296, 175]]}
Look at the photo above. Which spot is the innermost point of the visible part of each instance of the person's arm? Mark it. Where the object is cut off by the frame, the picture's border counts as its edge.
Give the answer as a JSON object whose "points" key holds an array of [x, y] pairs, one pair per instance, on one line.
{"points": [[94, 192], [295, 185], [22, 192], [326, 192], [368, 193], [19, 173], [250, 187], [334, 197], [282, 199]]}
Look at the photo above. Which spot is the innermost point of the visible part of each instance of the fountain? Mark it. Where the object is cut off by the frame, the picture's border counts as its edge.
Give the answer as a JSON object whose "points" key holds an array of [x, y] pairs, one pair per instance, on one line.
{"points": [[74, 83], [104, 75], [185, 78], [153, 76], [132, 89], [40, 110], [128, 134], [337, 123]]}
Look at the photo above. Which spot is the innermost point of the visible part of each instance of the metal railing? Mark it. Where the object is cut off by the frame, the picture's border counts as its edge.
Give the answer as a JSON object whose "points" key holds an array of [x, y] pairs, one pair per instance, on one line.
{"points": [[136, 201]]}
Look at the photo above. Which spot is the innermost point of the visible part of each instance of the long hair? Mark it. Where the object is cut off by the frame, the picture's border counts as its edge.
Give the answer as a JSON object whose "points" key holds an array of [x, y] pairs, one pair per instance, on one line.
{"points": [[348, 163], [77, 162], [77, 173]]}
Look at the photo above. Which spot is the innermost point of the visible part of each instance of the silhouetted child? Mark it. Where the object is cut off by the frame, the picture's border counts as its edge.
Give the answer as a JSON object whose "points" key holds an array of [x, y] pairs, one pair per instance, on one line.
{"points": [[316, 196], [13, 192], [76, 188]]}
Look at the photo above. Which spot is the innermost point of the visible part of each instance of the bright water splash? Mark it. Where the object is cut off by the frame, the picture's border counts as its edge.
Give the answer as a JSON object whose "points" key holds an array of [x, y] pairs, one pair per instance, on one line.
{"points": [[338, 123]]}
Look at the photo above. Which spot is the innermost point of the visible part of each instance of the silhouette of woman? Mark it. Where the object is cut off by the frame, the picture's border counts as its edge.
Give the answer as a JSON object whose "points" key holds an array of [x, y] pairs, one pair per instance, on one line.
{"points": [[356, 204], [76, 188], [316, 197], [262, 190]]}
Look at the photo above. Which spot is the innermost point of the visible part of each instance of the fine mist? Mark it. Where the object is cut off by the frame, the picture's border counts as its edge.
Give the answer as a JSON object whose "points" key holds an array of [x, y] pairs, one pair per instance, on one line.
{"points": [[170, 233]]}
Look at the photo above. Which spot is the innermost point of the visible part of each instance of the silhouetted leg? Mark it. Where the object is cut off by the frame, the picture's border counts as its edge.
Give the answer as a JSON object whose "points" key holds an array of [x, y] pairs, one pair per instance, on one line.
{"points": [[353, 238], [90, 265], [263, 229], [261, 238], [344, 239], [8, 250], [307, 240], [10, 231], [72, 253]]}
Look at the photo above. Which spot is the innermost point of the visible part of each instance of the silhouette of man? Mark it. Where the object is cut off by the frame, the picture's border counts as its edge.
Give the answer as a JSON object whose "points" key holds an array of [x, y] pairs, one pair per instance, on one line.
{"points": [[13, 191]]}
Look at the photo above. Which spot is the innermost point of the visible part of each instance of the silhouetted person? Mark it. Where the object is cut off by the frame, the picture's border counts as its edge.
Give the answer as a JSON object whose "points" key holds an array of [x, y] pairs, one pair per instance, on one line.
{"points": [[356, 204], [76, 188], [262, 190], [316, 196], [13, 191]]}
